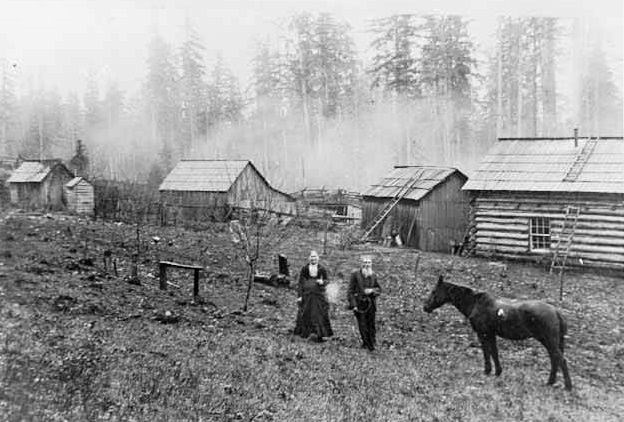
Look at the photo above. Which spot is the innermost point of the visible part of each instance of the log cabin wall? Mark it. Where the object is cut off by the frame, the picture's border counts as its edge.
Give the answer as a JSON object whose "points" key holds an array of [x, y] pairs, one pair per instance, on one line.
{"points": [[502, 226]]}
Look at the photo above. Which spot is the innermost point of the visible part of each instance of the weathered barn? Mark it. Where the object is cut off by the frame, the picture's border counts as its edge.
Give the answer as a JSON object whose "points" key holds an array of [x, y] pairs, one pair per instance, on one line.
{"points": [[524, 187], [217, 187], [39, 184], [79, 196], [431, 213]]}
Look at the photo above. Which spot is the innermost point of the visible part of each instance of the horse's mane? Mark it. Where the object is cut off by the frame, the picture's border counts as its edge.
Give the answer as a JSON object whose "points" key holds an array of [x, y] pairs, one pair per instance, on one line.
{"points": [[478, 296], [463, 287]]}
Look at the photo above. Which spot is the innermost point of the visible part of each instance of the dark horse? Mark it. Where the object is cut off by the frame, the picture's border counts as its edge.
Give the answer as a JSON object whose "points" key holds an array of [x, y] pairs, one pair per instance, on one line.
{"points": [[515, 320]]}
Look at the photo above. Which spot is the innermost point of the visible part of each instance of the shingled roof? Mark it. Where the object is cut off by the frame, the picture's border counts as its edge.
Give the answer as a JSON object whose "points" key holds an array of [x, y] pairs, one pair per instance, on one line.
{"points": [[425, 179], [552, 165], [30, 172], [203, 175]]}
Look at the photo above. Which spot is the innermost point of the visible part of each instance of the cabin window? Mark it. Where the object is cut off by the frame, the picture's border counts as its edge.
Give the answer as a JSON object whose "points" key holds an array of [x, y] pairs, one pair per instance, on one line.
{"points": [[539, 239]]}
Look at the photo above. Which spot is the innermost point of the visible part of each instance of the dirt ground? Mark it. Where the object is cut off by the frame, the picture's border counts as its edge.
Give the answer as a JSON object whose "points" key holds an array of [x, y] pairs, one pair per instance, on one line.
{"points": [[78, 341]]}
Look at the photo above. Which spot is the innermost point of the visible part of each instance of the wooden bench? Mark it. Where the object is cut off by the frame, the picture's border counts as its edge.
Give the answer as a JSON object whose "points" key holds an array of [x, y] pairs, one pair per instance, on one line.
{"points": [[163, 265]]}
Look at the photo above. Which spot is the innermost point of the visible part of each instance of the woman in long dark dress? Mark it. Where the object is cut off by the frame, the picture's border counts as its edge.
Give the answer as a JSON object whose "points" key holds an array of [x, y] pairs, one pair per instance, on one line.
{"points": [[313, 316]]}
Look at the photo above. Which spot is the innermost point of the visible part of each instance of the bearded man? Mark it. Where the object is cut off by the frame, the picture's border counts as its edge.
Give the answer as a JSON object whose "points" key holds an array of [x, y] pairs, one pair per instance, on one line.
{"points": [[363, 291]]}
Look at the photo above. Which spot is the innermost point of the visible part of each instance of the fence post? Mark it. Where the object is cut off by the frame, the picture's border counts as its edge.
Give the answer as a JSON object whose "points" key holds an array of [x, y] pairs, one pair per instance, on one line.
{"points": [[163, 276], [196, 283]]}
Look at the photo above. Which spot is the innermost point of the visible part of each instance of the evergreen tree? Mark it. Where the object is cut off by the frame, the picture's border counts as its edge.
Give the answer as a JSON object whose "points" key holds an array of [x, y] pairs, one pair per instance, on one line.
{"points": [[8, 107], [268, 77], [72, 118], [334, 64], [225, 100], [601, 102], [92, 104], [113, 105], [394, 67], [192, 87], [163, 98], [522, 84], [446, 63]]}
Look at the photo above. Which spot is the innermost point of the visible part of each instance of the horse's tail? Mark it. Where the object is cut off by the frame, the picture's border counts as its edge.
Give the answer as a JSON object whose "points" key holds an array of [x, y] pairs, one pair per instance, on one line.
{"points": [[563, 330]]}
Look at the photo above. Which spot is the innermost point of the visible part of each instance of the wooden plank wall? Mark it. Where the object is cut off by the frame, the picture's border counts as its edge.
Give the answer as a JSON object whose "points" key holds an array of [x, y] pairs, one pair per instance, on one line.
{"points": [[402, 214], [80, 198], [429, 224], [250, 187], [443, 216], [193, 205], [502, 226]]}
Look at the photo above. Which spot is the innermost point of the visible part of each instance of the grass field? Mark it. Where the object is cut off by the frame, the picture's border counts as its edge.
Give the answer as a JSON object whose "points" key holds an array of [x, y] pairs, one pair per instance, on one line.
{"points": [[80, 345]]}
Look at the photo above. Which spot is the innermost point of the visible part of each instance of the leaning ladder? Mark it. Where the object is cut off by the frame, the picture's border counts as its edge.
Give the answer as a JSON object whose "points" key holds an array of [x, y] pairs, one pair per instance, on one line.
{"points": [[389, 206], [581, 159], [564, 240]]}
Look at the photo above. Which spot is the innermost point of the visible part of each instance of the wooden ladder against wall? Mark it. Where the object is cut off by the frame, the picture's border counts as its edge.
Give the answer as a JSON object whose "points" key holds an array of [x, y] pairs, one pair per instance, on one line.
{"points": [[581, 159], [389, 206], [565, 239]]}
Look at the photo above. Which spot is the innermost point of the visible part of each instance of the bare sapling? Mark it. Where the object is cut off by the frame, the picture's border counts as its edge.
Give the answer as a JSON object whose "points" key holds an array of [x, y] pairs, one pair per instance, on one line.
{"points": [[252, 234], [247, 234], [140, 207]]}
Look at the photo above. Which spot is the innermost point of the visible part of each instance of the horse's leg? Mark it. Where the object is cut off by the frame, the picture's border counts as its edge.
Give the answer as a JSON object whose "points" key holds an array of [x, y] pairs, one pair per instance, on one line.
{"points": [[561, 363], [562, 359], [564, 369], [494, 349], [554, 364], [485, 346], [554, 353]]}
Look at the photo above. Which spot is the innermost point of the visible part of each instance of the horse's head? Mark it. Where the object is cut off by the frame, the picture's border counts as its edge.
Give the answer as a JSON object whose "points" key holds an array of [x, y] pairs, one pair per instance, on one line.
{"points": [[437, 297]]}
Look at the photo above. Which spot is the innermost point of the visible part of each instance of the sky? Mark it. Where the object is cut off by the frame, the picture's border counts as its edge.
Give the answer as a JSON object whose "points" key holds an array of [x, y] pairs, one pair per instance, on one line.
{"points": [[57, 43]]}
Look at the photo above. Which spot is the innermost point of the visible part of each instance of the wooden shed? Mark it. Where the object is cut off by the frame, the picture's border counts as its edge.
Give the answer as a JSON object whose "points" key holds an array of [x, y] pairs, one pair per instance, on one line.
{"points": [[39, 184], [431, 211], [342, 205], [79, 195], [217, 187], [530, 195]]}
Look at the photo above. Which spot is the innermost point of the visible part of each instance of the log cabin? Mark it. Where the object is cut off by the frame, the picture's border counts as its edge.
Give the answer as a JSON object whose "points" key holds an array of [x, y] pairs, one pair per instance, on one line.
{"points": [[532, 196]]}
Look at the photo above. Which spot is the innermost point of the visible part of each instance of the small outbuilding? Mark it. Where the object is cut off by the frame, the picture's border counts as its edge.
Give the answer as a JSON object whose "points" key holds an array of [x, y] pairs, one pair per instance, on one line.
{"points": [[430, 211], [39, 184], [216, 188], [79, 195], [343, 206], [536, 198]]}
